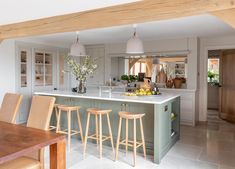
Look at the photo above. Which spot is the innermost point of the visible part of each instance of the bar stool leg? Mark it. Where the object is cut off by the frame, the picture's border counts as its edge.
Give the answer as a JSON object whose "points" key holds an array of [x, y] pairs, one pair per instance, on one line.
{"points": [[86, 134], [100, 134], [58, 121], [69, 128], [110, 132], [126, 136], [56, 114], [118, 137], [79, 125], [134, 146], [142, 137], [97, 130]]}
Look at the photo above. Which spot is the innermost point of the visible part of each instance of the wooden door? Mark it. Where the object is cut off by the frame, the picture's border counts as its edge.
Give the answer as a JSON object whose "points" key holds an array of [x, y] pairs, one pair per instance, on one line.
{"points": [[227, 110]]}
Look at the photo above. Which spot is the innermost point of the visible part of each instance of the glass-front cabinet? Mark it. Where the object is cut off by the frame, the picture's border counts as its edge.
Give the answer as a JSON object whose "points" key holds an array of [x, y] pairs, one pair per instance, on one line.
{"points": [[43, 67], [23, 68]]}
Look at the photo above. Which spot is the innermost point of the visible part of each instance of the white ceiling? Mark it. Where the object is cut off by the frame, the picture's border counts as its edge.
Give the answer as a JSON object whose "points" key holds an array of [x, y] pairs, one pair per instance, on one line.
{"points": [[195, 26], [12, 11]]}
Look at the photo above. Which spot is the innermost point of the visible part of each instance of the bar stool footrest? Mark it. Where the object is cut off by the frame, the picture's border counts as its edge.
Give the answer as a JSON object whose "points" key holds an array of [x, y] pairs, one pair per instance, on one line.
{"points": [[52, 127], [131, 143], [93, 136], [73, 132]]}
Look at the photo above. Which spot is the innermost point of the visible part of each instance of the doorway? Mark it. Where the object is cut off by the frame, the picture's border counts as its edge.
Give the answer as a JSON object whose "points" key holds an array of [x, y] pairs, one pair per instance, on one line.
{"points": [[221, 85]]}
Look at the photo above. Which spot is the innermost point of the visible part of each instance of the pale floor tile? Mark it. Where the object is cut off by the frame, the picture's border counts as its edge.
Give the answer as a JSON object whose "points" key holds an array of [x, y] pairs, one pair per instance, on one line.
{"points": [[207, 146], [185, 150]]}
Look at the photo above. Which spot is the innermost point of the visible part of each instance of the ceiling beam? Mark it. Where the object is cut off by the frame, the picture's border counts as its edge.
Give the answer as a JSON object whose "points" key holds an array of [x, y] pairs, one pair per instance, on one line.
{"points": [[227, 15], [138, 12]]}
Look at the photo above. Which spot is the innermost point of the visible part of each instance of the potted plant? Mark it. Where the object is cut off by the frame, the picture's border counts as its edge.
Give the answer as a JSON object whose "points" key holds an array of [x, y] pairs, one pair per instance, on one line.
{"points": [[211, 75], [81, 70]]}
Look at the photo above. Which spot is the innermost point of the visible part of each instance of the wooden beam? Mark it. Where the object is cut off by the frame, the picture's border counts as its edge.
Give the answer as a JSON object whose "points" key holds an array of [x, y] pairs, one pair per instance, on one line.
{"points": [[227, 15], [138, 12]]}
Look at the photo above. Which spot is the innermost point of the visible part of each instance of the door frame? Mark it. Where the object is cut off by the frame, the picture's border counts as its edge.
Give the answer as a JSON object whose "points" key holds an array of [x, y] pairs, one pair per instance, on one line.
{"points": [[204, 90]]}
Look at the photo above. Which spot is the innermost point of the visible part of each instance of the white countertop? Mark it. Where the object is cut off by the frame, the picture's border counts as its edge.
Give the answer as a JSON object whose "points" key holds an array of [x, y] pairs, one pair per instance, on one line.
{"points": [[118, 96]]}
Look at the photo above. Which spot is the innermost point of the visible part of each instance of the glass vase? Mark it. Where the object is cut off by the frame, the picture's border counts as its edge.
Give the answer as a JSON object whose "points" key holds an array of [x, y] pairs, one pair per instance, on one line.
{"points": [[81, 87]]}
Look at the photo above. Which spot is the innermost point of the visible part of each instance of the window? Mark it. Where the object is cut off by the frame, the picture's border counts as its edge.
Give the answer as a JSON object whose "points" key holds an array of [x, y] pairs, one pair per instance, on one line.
{"points": [[138, 67], [213, 70]]}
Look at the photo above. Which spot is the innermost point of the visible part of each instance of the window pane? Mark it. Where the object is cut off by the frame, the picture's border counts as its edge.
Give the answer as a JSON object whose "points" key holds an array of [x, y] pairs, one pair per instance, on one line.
{"points": [[213, 70]]}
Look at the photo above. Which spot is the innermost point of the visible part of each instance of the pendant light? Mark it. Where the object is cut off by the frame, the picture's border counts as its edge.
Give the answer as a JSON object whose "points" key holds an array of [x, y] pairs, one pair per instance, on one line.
{"points": [[134, 44], [77, 49]]}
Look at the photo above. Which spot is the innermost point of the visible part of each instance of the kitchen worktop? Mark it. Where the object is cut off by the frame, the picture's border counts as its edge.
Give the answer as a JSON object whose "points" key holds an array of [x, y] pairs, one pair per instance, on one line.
{"points": [[117, 96]]}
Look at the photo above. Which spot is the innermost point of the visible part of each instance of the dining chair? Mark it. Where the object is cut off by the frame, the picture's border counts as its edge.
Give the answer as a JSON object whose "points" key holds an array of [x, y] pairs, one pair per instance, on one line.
{"points": [[10, 106], [39, 118]]}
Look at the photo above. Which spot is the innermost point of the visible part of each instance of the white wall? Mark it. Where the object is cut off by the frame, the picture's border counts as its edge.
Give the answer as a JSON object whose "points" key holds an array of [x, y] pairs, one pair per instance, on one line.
{"points": [[7, 67], [226, 42]]}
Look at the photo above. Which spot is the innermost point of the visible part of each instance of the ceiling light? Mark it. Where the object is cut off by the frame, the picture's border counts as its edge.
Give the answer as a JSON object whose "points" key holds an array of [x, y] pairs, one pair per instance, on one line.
{"points": [[134, 44], [77, 49]]}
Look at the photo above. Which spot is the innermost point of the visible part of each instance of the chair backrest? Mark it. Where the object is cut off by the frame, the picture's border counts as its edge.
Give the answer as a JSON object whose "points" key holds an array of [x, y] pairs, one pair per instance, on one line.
{"points": [[40, 112], [10, 106]]}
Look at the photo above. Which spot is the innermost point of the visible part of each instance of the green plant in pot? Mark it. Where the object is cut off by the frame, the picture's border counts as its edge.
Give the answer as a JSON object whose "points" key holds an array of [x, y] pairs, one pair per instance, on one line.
{"points": [[125, 78], [211, 75], [133, 78]]}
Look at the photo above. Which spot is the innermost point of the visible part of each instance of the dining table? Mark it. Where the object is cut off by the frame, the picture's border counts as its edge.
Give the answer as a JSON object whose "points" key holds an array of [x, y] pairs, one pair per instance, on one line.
{"points": [[19, 140]]}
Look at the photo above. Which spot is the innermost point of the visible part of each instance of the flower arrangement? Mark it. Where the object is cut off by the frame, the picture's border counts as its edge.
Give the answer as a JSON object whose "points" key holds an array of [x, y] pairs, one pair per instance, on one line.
{"points": [[81, 70]]}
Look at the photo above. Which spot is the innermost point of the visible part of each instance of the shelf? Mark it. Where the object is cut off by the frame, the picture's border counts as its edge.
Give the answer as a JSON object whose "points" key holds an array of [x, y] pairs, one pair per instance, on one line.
{"points": [[38, 74], [23, 63], [23, 75], [38, 64], [48, 84]]}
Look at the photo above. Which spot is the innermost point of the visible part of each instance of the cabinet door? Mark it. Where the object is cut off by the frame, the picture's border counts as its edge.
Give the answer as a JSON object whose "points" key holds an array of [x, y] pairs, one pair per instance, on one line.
{"points": [[43, 70], [24, 75]]}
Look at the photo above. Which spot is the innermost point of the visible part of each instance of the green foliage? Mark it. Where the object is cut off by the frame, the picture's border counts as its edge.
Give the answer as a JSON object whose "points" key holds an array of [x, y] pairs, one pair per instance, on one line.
{"points": [[211, 74], [133, 78], [130, 78], [125, 77]]}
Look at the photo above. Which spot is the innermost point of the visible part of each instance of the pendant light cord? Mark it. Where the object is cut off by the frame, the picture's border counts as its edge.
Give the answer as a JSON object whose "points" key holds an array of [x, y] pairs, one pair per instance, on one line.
{"points": [[77, 40]]}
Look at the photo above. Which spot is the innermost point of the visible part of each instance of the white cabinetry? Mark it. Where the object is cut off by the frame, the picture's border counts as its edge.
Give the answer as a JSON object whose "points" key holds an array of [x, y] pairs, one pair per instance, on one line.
{"points": [[24, 81], [43, 70], [35, 70], [187, 105]]}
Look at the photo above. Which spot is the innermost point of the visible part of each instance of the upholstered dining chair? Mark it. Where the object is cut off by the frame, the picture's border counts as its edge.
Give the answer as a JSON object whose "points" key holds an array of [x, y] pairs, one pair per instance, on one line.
{"points": [[10, 106], [39, 118]]}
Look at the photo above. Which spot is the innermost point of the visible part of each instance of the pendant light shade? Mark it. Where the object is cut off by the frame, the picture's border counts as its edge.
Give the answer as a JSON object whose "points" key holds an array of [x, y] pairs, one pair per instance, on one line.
{"points": [[134, 45], [77, 49]]}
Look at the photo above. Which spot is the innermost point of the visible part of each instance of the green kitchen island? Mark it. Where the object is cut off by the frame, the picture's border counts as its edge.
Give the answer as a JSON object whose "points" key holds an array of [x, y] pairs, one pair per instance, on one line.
{"points": [[161, 122]]}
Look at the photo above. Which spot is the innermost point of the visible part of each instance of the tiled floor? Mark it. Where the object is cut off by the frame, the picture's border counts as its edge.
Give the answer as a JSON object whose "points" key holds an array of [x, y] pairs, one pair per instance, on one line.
{"points": [[207, 146]]}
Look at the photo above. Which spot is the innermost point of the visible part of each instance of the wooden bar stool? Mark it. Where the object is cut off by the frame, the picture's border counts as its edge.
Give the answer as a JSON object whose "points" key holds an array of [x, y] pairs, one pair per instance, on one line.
{"points": [[98, 136], [130, 116], [56, 114], [70, 132]]}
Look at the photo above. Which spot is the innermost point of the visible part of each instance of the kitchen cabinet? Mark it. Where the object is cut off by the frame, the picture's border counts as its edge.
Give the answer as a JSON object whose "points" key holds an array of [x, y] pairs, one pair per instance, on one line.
{"points": [[35, 70], [187, 105]]}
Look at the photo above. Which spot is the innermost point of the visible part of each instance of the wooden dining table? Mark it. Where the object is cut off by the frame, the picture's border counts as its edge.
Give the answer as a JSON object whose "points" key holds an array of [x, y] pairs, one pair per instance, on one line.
{"points": [[18, 140]]}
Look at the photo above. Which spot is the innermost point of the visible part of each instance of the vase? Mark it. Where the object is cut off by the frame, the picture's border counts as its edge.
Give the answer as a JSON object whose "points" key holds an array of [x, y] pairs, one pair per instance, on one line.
{"points": [[81, 86]]}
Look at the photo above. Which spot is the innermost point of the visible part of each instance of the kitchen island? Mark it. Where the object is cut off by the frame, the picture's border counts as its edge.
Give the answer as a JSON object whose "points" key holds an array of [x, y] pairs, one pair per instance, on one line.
{"points": [[161, 123]]}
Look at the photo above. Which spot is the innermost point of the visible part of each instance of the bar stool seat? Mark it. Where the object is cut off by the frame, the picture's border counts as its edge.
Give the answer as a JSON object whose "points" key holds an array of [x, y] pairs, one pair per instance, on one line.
{"points": [[70, 132], [131, 143], [98, 136]]}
